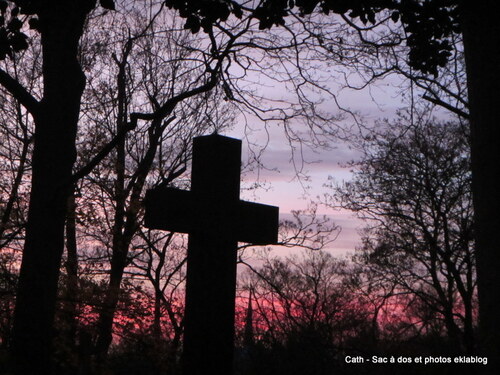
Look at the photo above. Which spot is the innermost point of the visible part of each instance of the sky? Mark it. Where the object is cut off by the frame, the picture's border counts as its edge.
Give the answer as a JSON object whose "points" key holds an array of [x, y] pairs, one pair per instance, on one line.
{"points": [[282, 188]]}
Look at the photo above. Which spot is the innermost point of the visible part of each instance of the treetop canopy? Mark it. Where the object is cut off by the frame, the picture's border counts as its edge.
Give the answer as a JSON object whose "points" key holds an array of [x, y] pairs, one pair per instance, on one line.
{"points": [[429, 24]]}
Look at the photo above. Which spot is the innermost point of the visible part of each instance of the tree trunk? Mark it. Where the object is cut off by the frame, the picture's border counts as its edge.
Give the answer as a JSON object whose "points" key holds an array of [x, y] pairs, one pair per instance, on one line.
{"points": [[125, 226], [121, 241], [61, 24], [9, 206], [481, 31], [107, 314], [70, 298], [157, 331]]}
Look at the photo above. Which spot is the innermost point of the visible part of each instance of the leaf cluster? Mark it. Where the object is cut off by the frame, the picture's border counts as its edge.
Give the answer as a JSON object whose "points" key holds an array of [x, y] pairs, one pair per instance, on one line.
{"points": [[15, 14], [204, 13], [429, 24], [12, 39]]}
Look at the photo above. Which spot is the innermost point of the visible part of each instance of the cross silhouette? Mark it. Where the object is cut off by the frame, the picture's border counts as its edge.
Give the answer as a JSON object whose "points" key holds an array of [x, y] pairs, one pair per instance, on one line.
{"points": [[215, 219]]}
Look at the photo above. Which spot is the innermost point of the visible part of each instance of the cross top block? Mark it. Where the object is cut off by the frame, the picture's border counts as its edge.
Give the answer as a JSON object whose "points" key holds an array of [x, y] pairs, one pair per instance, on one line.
{"points": [[213, 205]]}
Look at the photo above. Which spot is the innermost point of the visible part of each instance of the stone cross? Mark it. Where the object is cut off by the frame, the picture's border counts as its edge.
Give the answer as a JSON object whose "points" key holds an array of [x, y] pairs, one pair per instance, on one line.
{"points": [[215, 219]]}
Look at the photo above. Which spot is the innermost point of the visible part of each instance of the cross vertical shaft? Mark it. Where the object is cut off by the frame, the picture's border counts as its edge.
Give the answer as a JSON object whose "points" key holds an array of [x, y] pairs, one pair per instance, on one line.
{"points": [[211, 259], [215, 219]]}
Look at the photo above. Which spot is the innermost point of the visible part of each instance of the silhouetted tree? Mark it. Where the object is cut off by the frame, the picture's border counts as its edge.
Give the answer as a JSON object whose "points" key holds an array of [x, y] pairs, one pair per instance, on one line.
{"points": [[52, 165], [161, 261], [153, 154], [8, 285], [429, 26], [16, 147], [61, 23], [413, 185], [304, 314]]}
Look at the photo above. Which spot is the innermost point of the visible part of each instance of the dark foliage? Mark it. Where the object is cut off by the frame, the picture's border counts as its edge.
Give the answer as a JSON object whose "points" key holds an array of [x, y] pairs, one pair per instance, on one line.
{"points": [[429, 24]]}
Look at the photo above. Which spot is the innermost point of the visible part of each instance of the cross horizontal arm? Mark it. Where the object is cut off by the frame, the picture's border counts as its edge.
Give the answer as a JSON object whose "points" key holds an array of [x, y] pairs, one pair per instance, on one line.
{"points": [[257, 223], [179, 211], [169, 209]]}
